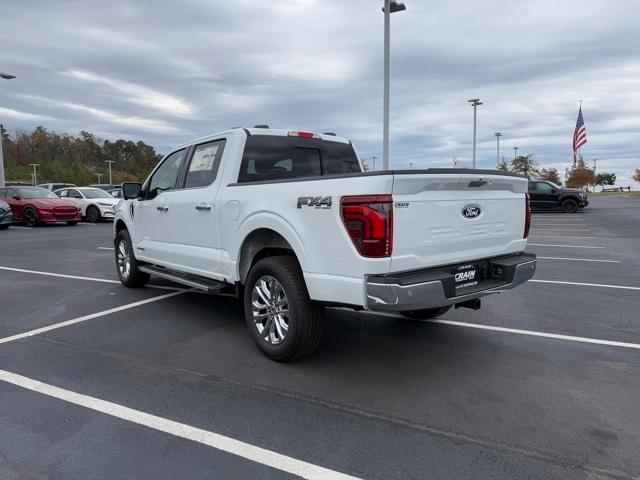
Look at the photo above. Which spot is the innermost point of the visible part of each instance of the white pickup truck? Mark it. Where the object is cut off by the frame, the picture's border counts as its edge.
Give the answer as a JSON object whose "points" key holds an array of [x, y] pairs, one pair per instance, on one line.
{"points": [[289, 222]]}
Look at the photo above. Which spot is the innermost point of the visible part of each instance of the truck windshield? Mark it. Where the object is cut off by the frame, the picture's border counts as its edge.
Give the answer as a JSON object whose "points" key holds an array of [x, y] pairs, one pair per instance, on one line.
{"points": [[271, 157]]}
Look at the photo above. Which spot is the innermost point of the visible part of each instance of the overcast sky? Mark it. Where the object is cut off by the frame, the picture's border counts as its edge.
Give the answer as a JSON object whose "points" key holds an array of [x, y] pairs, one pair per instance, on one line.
{"points": [[166, 72]]}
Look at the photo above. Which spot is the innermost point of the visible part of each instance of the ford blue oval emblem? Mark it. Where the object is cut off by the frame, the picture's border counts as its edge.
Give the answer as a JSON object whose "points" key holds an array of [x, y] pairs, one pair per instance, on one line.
{"points": [[471, 211]]}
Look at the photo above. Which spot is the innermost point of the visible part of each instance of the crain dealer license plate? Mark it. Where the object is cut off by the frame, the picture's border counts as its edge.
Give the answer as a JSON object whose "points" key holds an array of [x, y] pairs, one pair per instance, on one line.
{"points": [[466, 276]]}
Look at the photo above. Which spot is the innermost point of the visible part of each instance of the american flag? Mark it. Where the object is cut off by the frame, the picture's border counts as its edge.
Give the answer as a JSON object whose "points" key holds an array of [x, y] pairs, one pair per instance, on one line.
{"points": [[579, 136]]}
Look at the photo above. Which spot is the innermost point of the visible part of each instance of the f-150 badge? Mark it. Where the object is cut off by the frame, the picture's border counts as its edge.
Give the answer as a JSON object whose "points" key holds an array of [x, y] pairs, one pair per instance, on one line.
{"points": [[317, 202]]}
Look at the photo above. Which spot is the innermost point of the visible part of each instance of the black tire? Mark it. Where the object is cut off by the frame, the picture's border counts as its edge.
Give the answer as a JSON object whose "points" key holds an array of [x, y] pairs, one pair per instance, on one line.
{"points": [[569, 205], [427, 313], [93, 214], [30, 217], [72, 223], [131, 277], [305, 320], [5, 226]]}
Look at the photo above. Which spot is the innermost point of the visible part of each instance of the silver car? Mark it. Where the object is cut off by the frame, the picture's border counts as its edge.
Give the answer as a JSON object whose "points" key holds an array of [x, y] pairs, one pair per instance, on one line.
{"points": [[6, 216]]}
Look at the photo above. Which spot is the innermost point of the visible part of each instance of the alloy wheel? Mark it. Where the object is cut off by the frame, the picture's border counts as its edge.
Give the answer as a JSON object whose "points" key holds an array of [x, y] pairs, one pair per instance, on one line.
{"points": [[270, 308], [124, 260]]}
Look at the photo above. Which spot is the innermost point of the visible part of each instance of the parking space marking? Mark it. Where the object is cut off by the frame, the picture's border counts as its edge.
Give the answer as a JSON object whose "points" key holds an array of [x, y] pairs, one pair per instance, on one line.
{"points": [[560, 236], [91, 316], [601, 285], [578, 259], [105, 248], [13, 227], [518, 331], [220, 442], [562, 246], [77, 277], [562, 229]]}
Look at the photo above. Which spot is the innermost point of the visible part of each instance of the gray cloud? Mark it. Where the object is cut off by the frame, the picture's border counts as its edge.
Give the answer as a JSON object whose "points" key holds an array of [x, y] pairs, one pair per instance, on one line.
{"points": [[166, 72]]}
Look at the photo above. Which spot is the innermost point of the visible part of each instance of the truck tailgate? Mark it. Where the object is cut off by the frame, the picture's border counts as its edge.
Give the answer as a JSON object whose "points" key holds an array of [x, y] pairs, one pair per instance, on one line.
{"points": [[448, 218]]}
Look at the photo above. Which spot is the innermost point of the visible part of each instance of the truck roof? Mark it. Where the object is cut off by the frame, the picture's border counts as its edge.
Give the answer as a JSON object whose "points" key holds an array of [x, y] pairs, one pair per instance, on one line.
{"points": [[264, 131]]}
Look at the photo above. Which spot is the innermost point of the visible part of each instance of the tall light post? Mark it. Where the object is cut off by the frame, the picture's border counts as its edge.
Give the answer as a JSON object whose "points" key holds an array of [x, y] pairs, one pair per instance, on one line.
{"points": [[374, 162], [4, 76], [390, 6], [515, 152], [35, 177], [110, 162], [475, 102], [98, 175], [498, 135]]}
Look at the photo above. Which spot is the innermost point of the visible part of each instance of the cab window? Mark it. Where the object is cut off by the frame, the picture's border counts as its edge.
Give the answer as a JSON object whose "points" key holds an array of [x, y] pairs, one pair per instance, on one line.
{"points": [[204, 164], [72, 193], [544, 187], [166, 176]]}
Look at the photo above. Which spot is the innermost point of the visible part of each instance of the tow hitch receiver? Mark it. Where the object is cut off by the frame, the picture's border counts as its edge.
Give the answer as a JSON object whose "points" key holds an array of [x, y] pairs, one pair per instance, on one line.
{"points": [[472, 304]]}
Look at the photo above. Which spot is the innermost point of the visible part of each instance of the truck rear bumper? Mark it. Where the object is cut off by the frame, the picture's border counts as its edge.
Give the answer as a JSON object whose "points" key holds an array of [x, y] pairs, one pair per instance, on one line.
{"points": [[435, 287]]}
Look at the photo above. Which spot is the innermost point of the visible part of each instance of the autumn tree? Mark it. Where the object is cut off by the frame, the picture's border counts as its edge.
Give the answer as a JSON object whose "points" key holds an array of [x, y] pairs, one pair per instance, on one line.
{"points": [[551, 175], [581, 176], [636, 176], [525, 165]]}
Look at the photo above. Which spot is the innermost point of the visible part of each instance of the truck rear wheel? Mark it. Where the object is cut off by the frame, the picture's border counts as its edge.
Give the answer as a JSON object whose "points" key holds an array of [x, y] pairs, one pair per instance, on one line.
{"points": [[281, 318], [427, 313]]}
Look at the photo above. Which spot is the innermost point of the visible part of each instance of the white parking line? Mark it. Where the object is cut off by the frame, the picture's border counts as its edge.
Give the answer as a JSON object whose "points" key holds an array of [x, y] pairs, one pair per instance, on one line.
{"points": [[534, 333], [558, 230], [600, 285], [562, 246], [558, 225], [91, 316], [77, 277], [248, 451], [578, 259], [13, 227], [105, 248], [560, 236]]}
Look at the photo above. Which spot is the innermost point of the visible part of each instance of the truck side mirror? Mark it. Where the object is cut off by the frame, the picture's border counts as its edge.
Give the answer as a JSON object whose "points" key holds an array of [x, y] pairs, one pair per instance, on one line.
{"points": [[131, 190]]}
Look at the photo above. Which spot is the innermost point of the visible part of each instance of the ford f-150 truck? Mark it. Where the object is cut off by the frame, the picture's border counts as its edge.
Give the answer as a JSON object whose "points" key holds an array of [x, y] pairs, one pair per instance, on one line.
{"points": [[290, 223]]}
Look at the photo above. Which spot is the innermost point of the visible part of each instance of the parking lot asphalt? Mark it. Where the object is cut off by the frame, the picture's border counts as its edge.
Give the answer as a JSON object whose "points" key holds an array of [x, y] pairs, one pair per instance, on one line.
{"points": [[99, 381]]}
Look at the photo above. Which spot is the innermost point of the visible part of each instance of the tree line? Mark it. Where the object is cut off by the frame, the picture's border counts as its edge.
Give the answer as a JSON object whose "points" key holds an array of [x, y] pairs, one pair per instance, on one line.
{"points": [[74, 159], [578, 177]]}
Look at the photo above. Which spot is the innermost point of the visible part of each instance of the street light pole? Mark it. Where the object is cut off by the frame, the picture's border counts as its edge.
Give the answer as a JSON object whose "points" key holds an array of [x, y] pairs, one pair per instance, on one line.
{"points": [[474, 103], [498, 135], [110, 162], [35, 178], [390, 6], [4, 76], [515, 152], [98, 175], [374, 162]]}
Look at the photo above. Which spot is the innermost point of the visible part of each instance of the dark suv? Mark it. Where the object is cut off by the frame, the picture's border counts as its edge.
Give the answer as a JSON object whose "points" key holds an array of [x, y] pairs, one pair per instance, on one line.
{"points": [[545, 194]]}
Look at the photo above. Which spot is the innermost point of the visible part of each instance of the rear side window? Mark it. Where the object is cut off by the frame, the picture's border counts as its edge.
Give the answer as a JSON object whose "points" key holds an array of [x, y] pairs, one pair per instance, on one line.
{"points": [[204, 164], [270, 157]]}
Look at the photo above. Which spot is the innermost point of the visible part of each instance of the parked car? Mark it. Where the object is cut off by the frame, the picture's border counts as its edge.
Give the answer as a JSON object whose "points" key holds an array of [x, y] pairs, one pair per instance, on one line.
{"points": [[103, 186], [546, 195], [115, 192], [33, 205], [95, 204], [55, 186], [6, 215], [290, 222], [11, 183]]}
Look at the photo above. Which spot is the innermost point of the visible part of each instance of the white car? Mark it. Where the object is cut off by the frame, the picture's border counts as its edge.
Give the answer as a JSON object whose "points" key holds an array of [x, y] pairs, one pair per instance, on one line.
{"points": [[289, 222], [96, 204]]}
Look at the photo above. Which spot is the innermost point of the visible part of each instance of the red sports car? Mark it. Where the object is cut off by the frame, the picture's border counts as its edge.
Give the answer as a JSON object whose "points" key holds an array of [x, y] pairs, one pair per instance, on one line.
{"points": [[34, 205]]}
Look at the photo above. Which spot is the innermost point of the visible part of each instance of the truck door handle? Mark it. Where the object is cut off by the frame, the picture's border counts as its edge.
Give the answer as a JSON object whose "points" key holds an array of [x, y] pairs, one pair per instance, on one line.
{"points": [[162, 208], [203, 207]]}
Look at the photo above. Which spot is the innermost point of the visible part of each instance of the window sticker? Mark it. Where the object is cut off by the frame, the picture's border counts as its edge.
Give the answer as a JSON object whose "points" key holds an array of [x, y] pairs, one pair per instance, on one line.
{"points": [[203, 158]]}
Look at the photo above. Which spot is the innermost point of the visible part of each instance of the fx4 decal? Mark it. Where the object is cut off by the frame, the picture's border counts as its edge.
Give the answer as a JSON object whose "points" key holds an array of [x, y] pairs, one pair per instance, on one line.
{"points": [[317, 202]]}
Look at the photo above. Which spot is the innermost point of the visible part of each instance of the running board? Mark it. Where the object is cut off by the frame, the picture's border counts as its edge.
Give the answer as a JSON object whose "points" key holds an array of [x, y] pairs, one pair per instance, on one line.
{"points": [[201, 283]]}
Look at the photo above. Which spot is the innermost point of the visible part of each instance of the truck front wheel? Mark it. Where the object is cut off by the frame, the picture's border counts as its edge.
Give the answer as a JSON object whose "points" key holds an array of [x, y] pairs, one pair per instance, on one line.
{"points": [[427, 313], [281, 318]]}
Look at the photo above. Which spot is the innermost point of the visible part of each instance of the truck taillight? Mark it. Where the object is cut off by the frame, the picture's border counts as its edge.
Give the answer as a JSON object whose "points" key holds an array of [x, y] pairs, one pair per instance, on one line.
{"points": [[369, 221], [527, 217]]}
